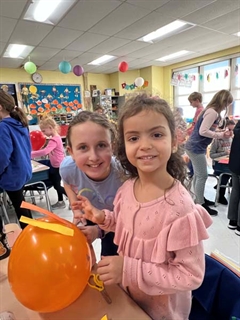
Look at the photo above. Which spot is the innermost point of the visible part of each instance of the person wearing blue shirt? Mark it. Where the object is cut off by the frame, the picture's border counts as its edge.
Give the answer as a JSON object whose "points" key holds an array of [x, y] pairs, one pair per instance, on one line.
{"points": [[15, 153]]}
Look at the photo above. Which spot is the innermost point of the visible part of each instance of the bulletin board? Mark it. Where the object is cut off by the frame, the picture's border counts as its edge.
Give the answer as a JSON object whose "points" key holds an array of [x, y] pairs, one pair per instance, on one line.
{"points": [[47, 98]]}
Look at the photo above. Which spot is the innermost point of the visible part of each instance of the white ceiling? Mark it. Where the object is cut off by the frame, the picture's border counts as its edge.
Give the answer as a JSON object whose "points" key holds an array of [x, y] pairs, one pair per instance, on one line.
{"points": [[92, 28]]}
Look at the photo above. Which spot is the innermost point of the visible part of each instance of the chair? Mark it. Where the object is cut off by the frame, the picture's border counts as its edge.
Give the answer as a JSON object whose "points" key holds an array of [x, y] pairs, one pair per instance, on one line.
{"points": [[219, 295], [220, 185], [41, 187], [3, 206]]}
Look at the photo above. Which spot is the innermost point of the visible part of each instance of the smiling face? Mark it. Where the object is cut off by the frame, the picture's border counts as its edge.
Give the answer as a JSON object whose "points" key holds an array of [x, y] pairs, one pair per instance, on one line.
{"points": [[148, 142], [47, 131], [91, 149]]}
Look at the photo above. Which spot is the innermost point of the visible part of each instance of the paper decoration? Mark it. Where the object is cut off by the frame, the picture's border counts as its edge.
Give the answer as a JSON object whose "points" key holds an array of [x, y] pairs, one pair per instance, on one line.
{"points": [[182, 79]]}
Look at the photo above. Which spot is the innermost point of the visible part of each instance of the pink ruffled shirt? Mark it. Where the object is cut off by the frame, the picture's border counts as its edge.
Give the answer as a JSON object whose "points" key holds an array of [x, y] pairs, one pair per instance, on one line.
{"points": [[54, 149], [161, 242]]}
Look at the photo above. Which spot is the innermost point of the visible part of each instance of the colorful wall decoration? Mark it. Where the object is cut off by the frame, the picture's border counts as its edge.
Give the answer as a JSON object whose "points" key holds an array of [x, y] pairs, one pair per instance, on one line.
{"points": [[39, 99]]}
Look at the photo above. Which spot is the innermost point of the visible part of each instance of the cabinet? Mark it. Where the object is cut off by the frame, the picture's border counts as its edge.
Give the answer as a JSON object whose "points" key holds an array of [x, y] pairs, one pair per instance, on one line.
{"points": [[111, 104]]}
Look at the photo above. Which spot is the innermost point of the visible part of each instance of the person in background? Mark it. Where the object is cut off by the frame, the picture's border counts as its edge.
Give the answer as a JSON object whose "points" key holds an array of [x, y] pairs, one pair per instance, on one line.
{"points": [[15, 153], [158, 228], [221, 148], [55, 150], [234, 166], [195, 100], [99, 109], [200, 139], [92, 170], [181, 129]]}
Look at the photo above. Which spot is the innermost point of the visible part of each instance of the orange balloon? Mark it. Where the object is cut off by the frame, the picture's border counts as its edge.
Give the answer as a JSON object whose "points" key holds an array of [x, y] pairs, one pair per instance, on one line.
{"points": [[47, 271]]}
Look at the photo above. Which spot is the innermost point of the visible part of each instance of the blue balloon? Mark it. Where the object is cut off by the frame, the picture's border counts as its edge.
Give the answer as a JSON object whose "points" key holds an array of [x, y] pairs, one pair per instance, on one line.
{"points": [[65, 66]]}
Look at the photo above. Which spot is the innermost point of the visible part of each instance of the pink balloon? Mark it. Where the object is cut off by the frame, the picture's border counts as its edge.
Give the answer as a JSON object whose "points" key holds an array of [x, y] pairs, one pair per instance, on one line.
{"points": [[78, 70]]}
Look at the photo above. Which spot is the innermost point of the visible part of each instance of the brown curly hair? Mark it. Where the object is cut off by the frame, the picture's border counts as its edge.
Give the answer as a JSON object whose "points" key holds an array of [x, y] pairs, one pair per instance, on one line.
{"points": [[175, 166]]}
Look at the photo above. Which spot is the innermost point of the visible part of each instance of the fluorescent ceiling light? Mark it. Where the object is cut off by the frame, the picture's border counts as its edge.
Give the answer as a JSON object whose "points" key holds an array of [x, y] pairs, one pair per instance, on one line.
{"points": [[19, 51], [102, 60], [48, 11], [237, 34], [167, 31], [174, 55], [44, 9]]}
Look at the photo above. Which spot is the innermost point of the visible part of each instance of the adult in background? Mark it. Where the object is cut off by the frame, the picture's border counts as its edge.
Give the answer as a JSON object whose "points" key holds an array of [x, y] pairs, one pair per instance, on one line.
{"points": [[15, 153], [200, 139]]}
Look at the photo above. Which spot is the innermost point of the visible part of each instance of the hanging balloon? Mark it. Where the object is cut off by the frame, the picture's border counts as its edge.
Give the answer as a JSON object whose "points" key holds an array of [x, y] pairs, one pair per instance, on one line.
{"points": [[65, 67], [123, 66], [30, 67], [78, 70], [139, 82]]}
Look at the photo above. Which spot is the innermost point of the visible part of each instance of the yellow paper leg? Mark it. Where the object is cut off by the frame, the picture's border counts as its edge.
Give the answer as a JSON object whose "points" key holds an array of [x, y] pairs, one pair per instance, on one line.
{"points": [[104, 317]]}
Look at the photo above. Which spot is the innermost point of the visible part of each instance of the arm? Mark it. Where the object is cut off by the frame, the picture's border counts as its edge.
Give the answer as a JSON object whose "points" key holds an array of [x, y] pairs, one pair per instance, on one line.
{"points": [[216, 151], [52, 144], [6, 149], [183, 272], [209, 118]]}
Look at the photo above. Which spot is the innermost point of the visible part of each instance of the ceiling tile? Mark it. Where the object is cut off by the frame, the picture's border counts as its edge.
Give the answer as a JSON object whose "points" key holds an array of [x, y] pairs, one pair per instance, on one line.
{"points": [[147, 24], [30, 33], [231, 20], [2, 47], [178, 9], [12, 8], [150, 4], [212, 11], [85, 58], [128, 48], [10, 63], [86, 41], [49, 65], [109, 45], [60, 38], [43, 53], [119, 19], [86, 14], [66, 55], [8, 26]]}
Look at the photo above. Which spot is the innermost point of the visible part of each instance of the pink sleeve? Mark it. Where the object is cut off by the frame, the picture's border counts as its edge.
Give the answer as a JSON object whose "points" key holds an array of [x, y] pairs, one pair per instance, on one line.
{"points": [[111, 216], [209, 118], [183, 272], [52, 144]]}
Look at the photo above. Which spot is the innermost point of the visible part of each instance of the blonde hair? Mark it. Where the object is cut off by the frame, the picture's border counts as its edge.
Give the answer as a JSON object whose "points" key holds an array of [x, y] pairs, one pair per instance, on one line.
{"points": [[220, 101], [49, 122]]}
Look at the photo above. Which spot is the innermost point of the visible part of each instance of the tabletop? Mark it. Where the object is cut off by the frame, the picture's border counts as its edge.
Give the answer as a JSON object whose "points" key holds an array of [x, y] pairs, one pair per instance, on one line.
{"points": [[37, 166], [90, 304]]}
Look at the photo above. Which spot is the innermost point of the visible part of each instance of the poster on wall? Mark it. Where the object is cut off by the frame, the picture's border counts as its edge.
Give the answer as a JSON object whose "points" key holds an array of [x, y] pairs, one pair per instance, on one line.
{"points": [[11, 89], [41, 99]]}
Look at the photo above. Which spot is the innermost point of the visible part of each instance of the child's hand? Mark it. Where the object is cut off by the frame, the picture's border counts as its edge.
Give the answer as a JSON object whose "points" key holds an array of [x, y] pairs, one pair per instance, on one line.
{"points": [[90, 232], [89, 212], [110, 269]]}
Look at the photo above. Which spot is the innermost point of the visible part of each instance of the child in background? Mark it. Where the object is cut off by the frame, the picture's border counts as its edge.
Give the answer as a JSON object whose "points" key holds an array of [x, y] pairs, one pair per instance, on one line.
{"points": [[158, 228], [56, 154], [200, 139], [15, 153], [220, 148], [181, 129], [195, 100], [92, 170]]}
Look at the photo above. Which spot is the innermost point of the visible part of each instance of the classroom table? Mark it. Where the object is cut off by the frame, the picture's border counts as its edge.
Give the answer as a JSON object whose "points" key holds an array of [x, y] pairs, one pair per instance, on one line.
{"points": [[90, 305], [39, 172], [223, 159]]}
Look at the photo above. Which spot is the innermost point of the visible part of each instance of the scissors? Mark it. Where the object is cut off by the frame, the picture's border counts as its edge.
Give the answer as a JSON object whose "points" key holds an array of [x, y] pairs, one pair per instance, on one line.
{"points": [[95, 283]]}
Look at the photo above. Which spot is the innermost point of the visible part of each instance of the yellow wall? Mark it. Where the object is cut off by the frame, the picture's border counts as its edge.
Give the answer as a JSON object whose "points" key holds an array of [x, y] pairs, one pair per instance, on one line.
{"points": [[114, 81], [157, 81], [167, 71], [102, 81]]}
